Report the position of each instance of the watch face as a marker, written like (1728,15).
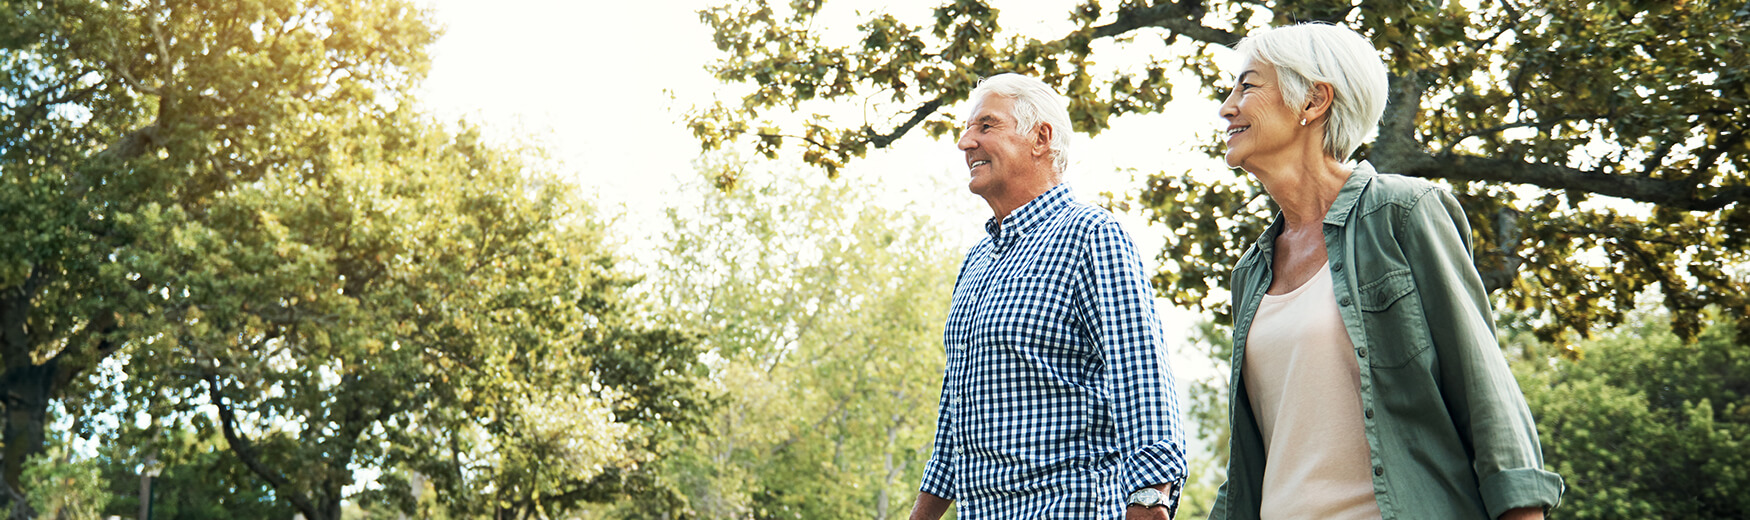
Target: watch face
(1146,497)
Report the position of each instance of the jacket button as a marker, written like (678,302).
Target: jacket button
(1338,267)
(1344,302)
(1378,470)
(1362,351)
(1369,413)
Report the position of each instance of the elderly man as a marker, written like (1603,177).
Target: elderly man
(1056,402)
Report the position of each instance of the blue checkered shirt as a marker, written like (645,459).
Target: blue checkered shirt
(1056,401)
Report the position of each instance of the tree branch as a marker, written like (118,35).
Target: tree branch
(246,453)
(1540,124)
(1508,236)
(1181,18)
(1397,151)
(918,116)
(1675,194)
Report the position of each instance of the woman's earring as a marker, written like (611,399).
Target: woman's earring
(1303,121)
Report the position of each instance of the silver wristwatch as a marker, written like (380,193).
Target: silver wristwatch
(1148,497)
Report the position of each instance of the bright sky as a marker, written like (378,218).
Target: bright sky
(605,86)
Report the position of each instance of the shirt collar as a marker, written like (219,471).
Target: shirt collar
(1029,215)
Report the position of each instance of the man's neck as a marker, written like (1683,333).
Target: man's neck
(1001,206)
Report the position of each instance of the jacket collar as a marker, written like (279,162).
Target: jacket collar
(1351,194)
(1338,215)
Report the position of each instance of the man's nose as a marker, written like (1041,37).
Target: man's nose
(966,142)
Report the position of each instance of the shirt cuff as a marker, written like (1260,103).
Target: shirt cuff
(937,480)
(1158,464)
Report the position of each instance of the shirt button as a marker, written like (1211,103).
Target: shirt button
(1362,351)
(1344,302)
(1338,267)
(1378,471)
(1369,413)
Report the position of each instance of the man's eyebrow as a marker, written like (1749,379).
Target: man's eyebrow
(986,118)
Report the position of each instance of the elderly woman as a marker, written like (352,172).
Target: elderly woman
(1367,381)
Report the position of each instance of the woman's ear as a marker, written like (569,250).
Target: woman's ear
(1318,102)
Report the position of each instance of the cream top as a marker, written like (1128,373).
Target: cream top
(1305,386)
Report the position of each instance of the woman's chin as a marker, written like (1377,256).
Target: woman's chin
(1233,161)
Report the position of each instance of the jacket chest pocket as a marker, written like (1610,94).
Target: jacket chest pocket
(1391,312)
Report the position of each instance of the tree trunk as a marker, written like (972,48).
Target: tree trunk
(27,390)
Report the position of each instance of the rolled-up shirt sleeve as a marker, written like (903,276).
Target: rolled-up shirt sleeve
(938,472)
(1144,406)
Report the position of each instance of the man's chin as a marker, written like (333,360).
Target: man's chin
(976,187)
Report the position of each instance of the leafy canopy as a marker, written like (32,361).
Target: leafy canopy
(1601,149)
(239,205)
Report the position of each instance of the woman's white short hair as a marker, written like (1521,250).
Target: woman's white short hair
(1035,102)
(1311,53)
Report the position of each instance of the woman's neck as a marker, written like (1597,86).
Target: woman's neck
(1305,190)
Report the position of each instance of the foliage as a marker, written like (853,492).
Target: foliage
(1601,148)
(197,479)
(68,487)
(1208,412)
(117,116)
(426,304)
(1642,424)
(822,311)
(239,203)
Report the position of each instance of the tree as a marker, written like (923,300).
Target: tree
(114,114)
(1641,423)
(198,479)
(426,304)
(1570,131)
(823,309)
(239,204)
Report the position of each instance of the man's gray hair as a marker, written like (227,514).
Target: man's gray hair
(1311,53)
(1035,103)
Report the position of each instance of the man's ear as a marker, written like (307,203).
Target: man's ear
(1318,102)
(1042,134)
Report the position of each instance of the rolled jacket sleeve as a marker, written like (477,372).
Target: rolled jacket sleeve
(1486,404)
(1144,407)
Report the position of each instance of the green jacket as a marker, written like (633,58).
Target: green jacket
(1448,430)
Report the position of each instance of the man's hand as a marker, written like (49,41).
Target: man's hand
(929,507)
(1150,513)
(1523,513)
